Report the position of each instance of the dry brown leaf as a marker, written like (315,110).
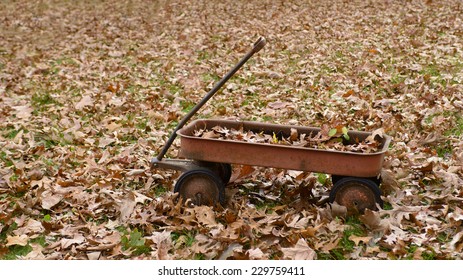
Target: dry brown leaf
(328,246)
(230,251)
(377,133)
(456,215)
(205,216)
(457,242)
(23,112)
(300,251)
(32,226)
(136,172)
(93,256)
(358,239)
(310,231)
(297,222)
(255,254)
(35,254)
(373,221)
(105,141)
(50,199)
(163,243)
(389,183)
(20,240)
(338,210)
(127,205)
(86,100)
(76,239)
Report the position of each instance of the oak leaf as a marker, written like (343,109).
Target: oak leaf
(373,221)
(358,239)
(301,251)
(76,239)
(86,100)
(49,199)
(20,240)
(205,216)
(255,254)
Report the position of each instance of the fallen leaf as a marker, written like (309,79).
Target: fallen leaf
(23,112)
(127,205)
(278,105)
(376,133)
(163,243)
(373,220)
(457,242)
(49,199)
(338,210)
(136,172)
(105,141)
(86,100)
(205,216)
(358,239)
(35,254)
(93,256)
(255,254)
(20,240)
(32,226)
(230,251)
(328,246)
(348,93)
(67,242)
(301,251)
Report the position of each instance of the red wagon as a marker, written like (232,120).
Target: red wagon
(206,163)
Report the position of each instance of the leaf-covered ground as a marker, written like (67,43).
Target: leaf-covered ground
(90,90)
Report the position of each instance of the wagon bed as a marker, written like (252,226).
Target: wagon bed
(343,163)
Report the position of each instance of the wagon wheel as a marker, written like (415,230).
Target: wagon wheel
(200,187)
(356,194)
(223,170)
(336,178)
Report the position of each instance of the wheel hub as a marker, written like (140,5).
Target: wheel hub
(200,190)
(356,198)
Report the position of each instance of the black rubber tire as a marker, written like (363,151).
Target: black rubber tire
(336,178)
(225,172)
(201,187)
(356,194)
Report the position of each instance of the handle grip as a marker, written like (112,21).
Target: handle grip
(259,44)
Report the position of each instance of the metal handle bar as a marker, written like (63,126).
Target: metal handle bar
(258,45)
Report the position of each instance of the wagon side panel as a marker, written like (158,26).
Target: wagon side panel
(281,157)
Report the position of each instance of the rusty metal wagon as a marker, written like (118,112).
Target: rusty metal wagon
(206,163)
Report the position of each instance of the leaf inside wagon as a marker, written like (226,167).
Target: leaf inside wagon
(378,132)
(332,132)
(326,139)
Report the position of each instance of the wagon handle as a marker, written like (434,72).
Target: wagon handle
(258,45)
